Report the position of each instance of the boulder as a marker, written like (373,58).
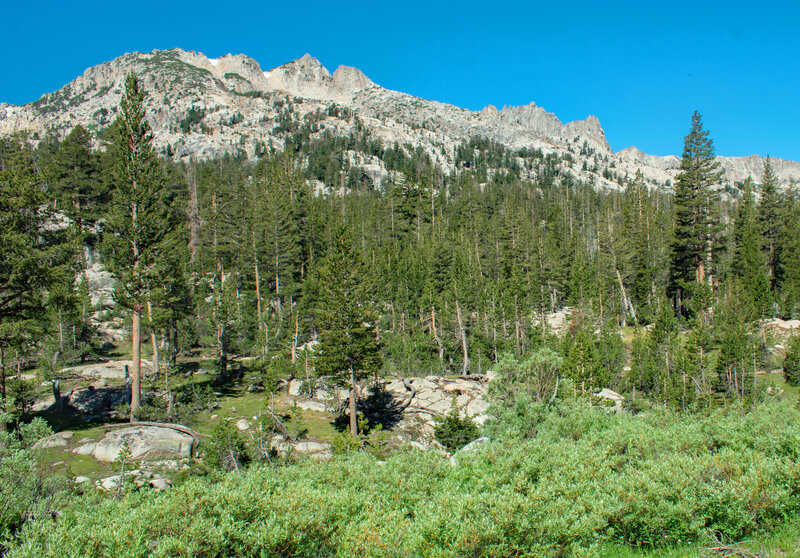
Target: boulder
(242,424)
(474,445)
(53,441)
(611,398)
(459,386)
(423,384)
(161,484)
(315,406)
(85,449)
(476,407)
(307,447)
(145,442)
(294,387)
(397,387)
(323,395)
(110,483)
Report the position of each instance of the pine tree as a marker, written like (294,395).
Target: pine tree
(348,346)
(790,232)
(140,219)
(696,242)
(749,262)
(31,256)
(769,217)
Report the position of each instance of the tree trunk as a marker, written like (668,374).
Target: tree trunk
(353,396)
(439,346)
(193,212)
(153,340)
(136,373)
(463,333)
(294,338)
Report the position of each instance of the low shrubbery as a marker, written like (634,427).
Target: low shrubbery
(584,478)
(26,492)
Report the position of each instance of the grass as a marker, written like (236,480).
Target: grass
(784,542)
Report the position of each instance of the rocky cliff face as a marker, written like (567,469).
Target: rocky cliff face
(200,107)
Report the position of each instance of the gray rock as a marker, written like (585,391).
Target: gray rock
(145,442)
(311,447)
(110,483)
(161,484)
(243,424)
(81,480)
(53,441)
(315,406)
(220,87)
(85,449)
(294,387)
(474,445)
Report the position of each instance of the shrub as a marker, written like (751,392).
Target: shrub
(589,477)
(455,432)
(25,492)
(791,365)
(228,450)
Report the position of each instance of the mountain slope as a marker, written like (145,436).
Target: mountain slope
(200,107)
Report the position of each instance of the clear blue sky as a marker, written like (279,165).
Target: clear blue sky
(641,67)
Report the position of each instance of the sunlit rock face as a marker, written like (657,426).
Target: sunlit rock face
(201,107)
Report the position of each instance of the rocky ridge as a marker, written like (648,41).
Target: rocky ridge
(200,107)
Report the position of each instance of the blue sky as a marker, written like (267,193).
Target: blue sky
(640,67)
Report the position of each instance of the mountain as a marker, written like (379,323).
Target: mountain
(201,107)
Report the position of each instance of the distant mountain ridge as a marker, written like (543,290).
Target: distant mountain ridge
(201,107)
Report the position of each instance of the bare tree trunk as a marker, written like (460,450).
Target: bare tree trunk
(136,373)
(153,339)
(294,338)
(193,213)
(463,333)
(258,286)
(60,331)
(439,346)
(627,305)
(353,396)
(2,378)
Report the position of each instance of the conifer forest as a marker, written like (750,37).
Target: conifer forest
(236,279)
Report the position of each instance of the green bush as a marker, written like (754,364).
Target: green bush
(25,491)
(588,477)
(791,365)
(228,450)
(455,432)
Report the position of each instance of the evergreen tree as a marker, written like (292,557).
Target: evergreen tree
(697,240)
(790,229)
(348,349)
(749,262)
(769,209)
(31,256)
(140,218)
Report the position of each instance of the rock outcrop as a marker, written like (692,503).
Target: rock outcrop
(144,442)
(239,108)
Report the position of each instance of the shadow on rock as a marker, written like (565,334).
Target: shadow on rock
(379,408)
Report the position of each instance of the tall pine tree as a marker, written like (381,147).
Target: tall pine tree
(140,218)
(348,346)
(696,242)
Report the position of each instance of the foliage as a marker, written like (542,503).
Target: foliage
(590,477)
(26,492)
(348,348)
(228,450)
(696,246)
(791,364)
(534,377)
(31,257)
(454,431)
